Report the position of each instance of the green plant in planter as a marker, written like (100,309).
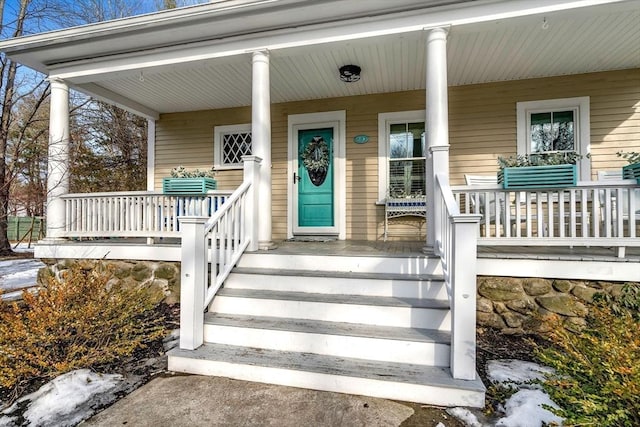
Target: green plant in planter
(631,157)
(183,181)
(545,170)
(542,159)
(632,170)
(182,172)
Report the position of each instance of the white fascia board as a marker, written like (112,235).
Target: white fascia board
(113,98)
(461,14)
(171,17)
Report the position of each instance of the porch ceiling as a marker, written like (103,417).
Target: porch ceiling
(597,39)
(580,40)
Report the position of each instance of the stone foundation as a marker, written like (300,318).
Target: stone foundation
(513,305)
(517,305)
(163,275)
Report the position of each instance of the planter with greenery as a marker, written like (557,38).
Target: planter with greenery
(632,170)
(552,170)
(189,182)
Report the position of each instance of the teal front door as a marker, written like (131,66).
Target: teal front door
(315,181)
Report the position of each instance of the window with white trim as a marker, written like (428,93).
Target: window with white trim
(401,154)
(230,144)
(556,126)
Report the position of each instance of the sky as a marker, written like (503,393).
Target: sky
(78,11)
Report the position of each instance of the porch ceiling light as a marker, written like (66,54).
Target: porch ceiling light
(350,73)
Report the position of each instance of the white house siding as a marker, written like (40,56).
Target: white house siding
(482,127)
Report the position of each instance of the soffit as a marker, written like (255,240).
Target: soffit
(604,39)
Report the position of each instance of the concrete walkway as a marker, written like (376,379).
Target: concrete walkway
(186,400)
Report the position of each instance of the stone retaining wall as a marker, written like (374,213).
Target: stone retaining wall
(164,275)
(514,305)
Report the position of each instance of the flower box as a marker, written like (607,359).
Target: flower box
(631,171)
(555,176)
(200,185)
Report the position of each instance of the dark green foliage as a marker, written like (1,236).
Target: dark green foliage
(597,379)
(543,159)
(631,157)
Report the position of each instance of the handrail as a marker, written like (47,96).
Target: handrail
(239,192)
(456,244)
(135,213)
(590,214)
(136,193)
(225,230)
(211,246)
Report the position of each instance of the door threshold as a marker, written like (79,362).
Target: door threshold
(313,238)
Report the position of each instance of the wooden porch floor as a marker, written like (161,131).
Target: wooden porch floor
(415,248)
(400,248)
(577,263)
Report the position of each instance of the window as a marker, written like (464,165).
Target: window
(556,125)
(230,144)
(401,154)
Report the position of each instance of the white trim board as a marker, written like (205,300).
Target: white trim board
(560,269)
(337,120)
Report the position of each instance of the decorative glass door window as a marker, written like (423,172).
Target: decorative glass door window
(552,131)
(406,159)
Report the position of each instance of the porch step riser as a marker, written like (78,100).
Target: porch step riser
(356,264)
(405,317)
(339,285)
(383,350)
(435,395)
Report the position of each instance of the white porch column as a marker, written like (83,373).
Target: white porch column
(151,161)
(58,160)
(252,175)
(151,154)
(437,124)
(261,140)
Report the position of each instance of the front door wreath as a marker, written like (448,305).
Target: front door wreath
(315,158)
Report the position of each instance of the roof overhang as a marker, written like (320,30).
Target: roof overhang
(182,59)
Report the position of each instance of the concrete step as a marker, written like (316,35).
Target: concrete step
(416,264)
(338,282)
(371,310)
(382,343)
(400,381)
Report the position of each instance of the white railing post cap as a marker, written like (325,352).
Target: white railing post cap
(256,159)
(192,219)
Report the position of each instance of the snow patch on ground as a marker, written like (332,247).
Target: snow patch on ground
(65,401)
(525,407)
(18,274)
(515,371)
(466,416)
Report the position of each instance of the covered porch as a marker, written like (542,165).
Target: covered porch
(414,66)
(429,93)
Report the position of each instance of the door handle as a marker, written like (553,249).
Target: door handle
(296,178)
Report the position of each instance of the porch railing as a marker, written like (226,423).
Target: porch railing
(210,249)
(135,213)
(456,244)
(591,214)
